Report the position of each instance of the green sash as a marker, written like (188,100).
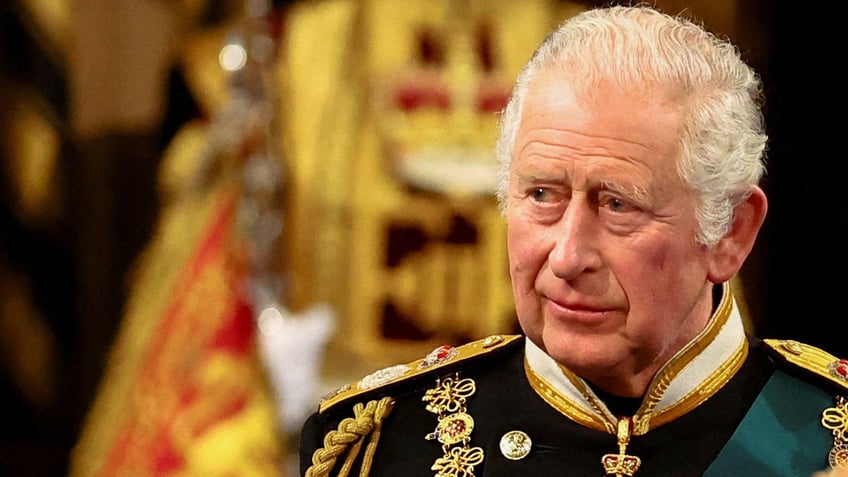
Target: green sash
(781,435)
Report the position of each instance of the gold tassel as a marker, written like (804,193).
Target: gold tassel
(367,420)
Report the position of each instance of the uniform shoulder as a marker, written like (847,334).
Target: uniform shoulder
(809,360)
(437,361)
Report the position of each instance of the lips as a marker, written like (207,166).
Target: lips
(576,311)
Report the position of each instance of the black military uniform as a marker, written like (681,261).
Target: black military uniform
(728,404)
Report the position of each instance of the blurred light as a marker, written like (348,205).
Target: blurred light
(271,321)
(232,57)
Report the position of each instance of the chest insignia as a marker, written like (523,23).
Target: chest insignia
(447,400)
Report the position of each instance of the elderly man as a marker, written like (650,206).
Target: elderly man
(631,151)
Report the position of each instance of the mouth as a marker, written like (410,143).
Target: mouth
(577,312)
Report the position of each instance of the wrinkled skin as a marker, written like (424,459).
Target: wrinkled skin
(607,274)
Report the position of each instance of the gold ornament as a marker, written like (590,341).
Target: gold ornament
(835,419)
(447,400)
(622,464)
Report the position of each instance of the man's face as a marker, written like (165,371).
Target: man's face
(607,275)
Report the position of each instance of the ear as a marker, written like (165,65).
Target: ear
(728,255)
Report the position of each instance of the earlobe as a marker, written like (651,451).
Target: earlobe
(730,252)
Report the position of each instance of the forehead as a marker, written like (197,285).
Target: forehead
(638,126)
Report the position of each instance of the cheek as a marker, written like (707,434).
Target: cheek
(675,261)
(648,273)
(516,256)
(525,249)
(640,267)
(659,255)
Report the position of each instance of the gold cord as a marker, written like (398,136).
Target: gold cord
(367,421)
(384,407)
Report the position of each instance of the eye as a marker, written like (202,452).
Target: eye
(540,194)
(615,204)
(546,196)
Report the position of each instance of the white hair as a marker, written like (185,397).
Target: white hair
(723,143)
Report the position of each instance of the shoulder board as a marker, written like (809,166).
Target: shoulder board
(440,357)
(813,360)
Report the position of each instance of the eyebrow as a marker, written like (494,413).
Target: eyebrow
(636,192)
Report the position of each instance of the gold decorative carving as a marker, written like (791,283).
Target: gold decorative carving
(389,126)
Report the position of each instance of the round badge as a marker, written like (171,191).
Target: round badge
(838,456)
(515,445)
(455,428)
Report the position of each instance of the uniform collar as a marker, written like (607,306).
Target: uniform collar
(694,374)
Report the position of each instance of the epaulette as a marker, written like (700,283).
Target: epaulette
(436,360)
(812,360)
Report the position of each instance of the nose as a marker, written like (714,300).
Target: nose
(575,249)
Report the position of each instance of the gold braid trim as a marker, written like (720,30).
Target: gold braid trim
(367,420)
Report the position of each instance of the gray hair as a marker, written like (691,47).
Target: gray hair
(723,144)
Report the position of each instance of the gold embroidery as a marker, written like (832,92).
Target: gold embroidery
(423,366)
(835,419)
(447,400)
(564,405)
(459,462)
(708,387)
(809,358)
(449,395)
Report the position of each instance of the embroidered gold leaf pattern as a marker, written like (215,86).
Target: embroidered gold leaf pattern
(459,462)
(449,395)
(835,419)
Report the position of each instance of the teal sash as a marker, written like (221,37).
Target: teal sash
(781,435)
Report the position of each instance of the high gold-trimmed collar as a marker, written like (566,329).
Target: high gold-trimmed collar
(694,374)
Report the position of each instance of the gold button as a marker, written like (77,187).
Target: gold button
(515,445)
